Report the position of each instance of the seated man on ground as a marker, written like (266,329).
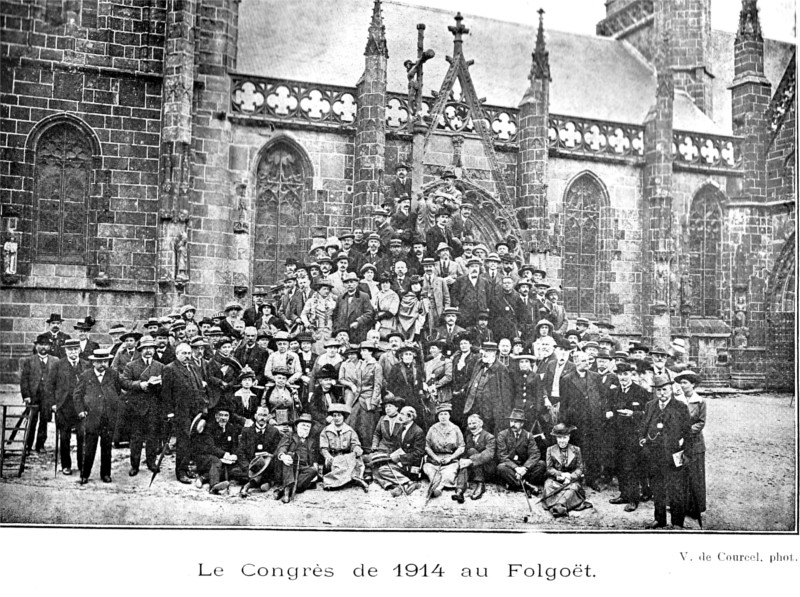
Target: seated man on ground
(214,447)
(299,455)
(519,462)
(478,462)
(257,446)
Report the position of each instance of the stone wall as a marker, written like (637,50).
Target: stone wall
(95,65)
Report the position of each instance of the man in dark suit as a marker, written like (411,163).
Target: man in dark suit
(528,396)
(449,330)
(298,301)
(436,293)
(164,354)
(260,439)
(214,449)
(68,372)
(56,336)
(478,462)
(518,458)
(552,376)
(353,310)
(141,380)
(441,234)
(584,408)
(398,445)
(470,294)
(250,354)
(665,431)
(489,392)
(37,383)
(509,315)
(87,345)
(97,400)
(626,403)
(299,455)
(184,396)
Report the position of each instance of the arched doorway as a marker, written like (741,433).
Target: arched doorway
(781,307)
(283,179)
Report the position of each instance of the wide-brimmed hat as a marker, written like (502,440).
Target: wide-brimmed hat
(582,320)
(196,423)
(303,418)
(659,381)
(562,429)
(539,271)
(338,407)
(516,415)
(247,372)
(679,345)
(146,342)
(625,368)
(659,350)
(552,290)
(101,354)
(366,267)
(639,346)
(186,308)
(232,306)
(258,465)
(394,399)
(522,356)
(369,345)
(43,339)
(135,335)
(160,333)
(406,348)
(443,247)
(689,375)
(327,372)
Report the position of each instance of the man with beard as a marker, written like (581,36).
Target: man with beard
(127,351)
(141,380)
(530,307)
(415,259)
(298,452)
(165,354)
(402,281)
(493,277)
(440,234)
(251,313)
(552,376)
(184,397)
(519,461)
(527,393)
(295,307)
(215,450)
(445,267)
(489,392)
(468,245)
(353,310)
(260,441)
(373,252)
(383,227)
(581,394)
(87,346)
(508,312)
(403,220)
(478,461)
(250,354)
(97,400)
(398,445)
(401,185)
(37,383)
(470,295)
(68,372)
(557,314)
(354,256)
(388,261)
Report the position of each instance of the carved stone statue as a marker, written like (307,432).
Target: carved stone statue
(182,255)
(661,282)
(686,294)
(414,74)
(10,248)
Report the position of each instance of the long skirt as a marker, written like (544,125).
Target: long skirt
(448,473)
(696,485)
(555,494)
(364,421)
(344,469)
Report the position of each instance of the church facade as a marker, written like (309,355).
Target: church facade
(157,153)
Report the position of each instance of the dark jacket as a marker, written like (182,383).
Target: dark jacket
(216,442)
(180,393)
(485,448)
(167,357)
(66,381)
(582,404)
(517,452)
(356,310)
(509,315)
(36,384)
(494,400)
(675,433)
(469,299)
(251,441)
(100,402)
(141,401)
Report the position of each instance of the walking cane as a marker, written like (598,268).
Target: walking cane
(296,476)
(527,499)
(400,485)
(55,460)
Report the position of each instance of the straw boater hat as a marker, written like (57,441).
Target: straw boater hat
(72,343)
(101,354)
(118,328)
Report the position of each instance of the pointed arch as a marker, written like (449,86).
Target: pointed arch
(65,157)
(585,205)
(283,181)
(705,250)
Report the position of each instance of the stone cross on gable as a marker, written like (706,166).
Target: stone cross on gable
(458,29)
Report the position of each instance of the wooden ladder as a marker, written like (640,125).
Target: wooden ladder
(16,419)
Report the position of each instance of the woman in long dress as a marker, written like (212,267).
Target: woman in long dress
(412,312)
(317,314)
(696,457)
(563,488)
(439,373)
(444,443)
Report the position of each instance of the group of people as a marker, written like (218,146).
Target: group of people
(392,357)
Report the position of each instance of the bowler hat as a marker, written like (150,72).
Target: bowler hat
(625,368)
(54,318)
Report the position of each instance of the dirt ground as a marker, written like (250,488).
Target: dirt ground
(750,466)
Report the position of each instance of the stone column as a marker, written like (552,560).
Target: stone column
(175,156)
(532,157)
(371,123)
(659,245)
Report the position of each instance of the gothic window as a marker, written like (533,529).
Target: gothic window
(63,175)
(581,231)
(280,184)
(705,230)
